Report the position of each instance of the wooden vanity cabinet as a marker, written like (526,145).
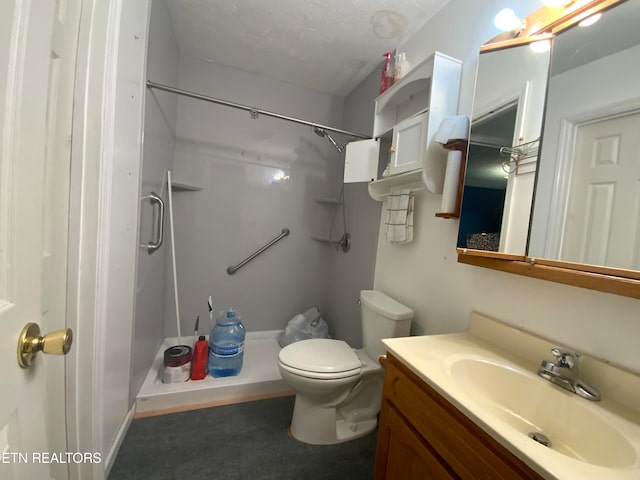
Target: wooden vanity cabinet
(423,436)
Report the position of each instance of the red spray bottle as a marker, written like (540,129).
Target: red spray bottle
(387,72)
(200,359)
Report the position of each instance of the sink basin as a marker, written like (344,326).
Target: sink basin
(530,404)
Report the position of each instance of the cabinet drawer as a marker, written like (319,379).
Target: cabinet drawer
(464,446)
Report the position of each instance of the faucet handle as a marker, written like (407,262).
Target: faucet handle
(566,358)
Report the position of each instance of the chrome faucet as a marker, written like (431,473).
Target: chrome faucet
(564,373)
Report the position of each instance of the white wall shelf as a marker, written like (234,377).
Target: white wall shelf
(380,189)
(328,201)
(407,117)
(184,187)
(324,240)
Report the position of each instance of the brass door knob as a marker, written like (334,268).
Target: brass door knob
(30,343)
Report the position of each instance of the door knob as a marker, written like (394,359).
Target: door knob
(30,343)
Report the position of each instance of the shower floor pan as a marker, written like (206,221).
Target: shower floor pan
(258,379)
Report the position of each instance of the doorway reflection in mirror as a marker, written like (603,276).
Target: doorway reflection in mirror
(507,116)
(587,205)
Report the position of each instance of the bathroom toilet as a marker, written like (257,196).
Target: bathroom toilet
(338,389)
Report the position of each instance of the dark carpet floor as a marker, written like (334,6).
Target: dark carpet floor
(243,441)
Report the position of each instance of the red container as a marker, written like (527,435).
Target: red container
(200,359)
(386,80)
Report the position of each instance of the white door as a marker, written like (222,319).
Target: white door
(603,217)
(521,179)
(38,41)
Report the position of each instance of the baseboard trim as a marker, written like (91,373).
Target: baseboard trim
(117,442)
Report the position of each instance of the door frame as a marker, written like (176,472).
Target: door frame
(565,157)
(106,162)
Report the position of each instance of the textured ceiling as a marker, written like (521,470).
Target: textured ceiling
(329,45)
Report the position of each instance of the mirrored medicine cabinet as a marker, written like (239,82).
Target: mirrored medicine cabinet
(552,185)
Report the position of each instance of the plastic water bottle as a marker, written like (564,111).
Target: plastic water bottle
(226,345)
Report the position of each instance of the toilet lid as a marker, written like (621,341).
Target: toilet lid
(320,355)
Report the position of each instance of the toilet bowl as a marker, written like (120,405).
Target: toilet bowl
(338,389)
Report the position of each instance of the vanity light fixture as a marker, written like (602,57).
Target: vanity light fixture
(590,20)
(507,21)
(557,3)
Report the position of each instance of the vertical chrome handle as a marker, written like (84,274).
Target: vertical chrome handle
(156,200)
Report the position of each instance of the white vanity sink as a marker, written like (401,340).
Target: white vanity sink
(492,379)
(532,405)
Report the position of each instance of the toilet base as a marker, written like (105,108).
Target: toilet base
(317,425)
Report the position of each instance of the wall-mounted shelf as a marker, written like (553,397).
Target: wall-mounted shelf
(184,187)
(328,201)
(380,189)
(406,119)
(324,240)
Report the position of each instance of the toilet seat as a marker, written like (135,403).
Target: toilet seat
(320,358)
(320,376)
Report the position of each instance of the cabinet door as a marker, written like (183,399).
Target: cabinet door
(402,453)
(434,425)
(409,144)
(361,161)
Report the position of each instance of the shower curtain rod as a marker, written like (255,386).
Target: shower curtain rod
(254,111)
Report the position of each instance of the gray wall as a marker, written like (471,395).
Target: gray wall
(159,137)
(353,271)
(425,274)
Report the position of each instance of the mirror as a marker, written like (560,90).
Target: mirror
(587,202)
(574,221)
(501,162)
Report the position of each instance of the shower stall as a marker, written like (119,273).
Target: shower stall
(240,176)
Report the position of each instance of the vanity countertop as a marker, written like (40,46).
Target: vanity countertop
(498,389)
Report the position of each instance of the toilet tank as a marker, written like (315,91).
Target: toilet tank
(382,317)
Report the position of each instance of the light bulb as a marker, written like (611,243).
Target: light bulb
(507,20)
(590,20)
(540,46)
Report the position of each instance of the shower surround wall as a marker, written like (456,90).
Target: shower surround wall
(242,205)
(159,138)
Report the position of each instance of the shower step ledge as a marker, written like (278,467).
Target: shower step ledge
(259,378)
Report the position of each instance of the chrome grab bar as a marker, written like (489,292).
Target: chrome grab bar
(234,268)
(156,200)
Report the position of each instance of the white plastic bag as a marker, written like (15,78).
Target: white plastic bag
(304,326)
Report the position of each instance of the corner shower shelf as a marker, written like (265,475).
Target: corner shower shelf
(379,189)
(328,201)
(184,187)
(324,240)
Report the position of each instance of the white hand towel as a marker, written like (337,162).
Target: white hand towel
(400,216)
